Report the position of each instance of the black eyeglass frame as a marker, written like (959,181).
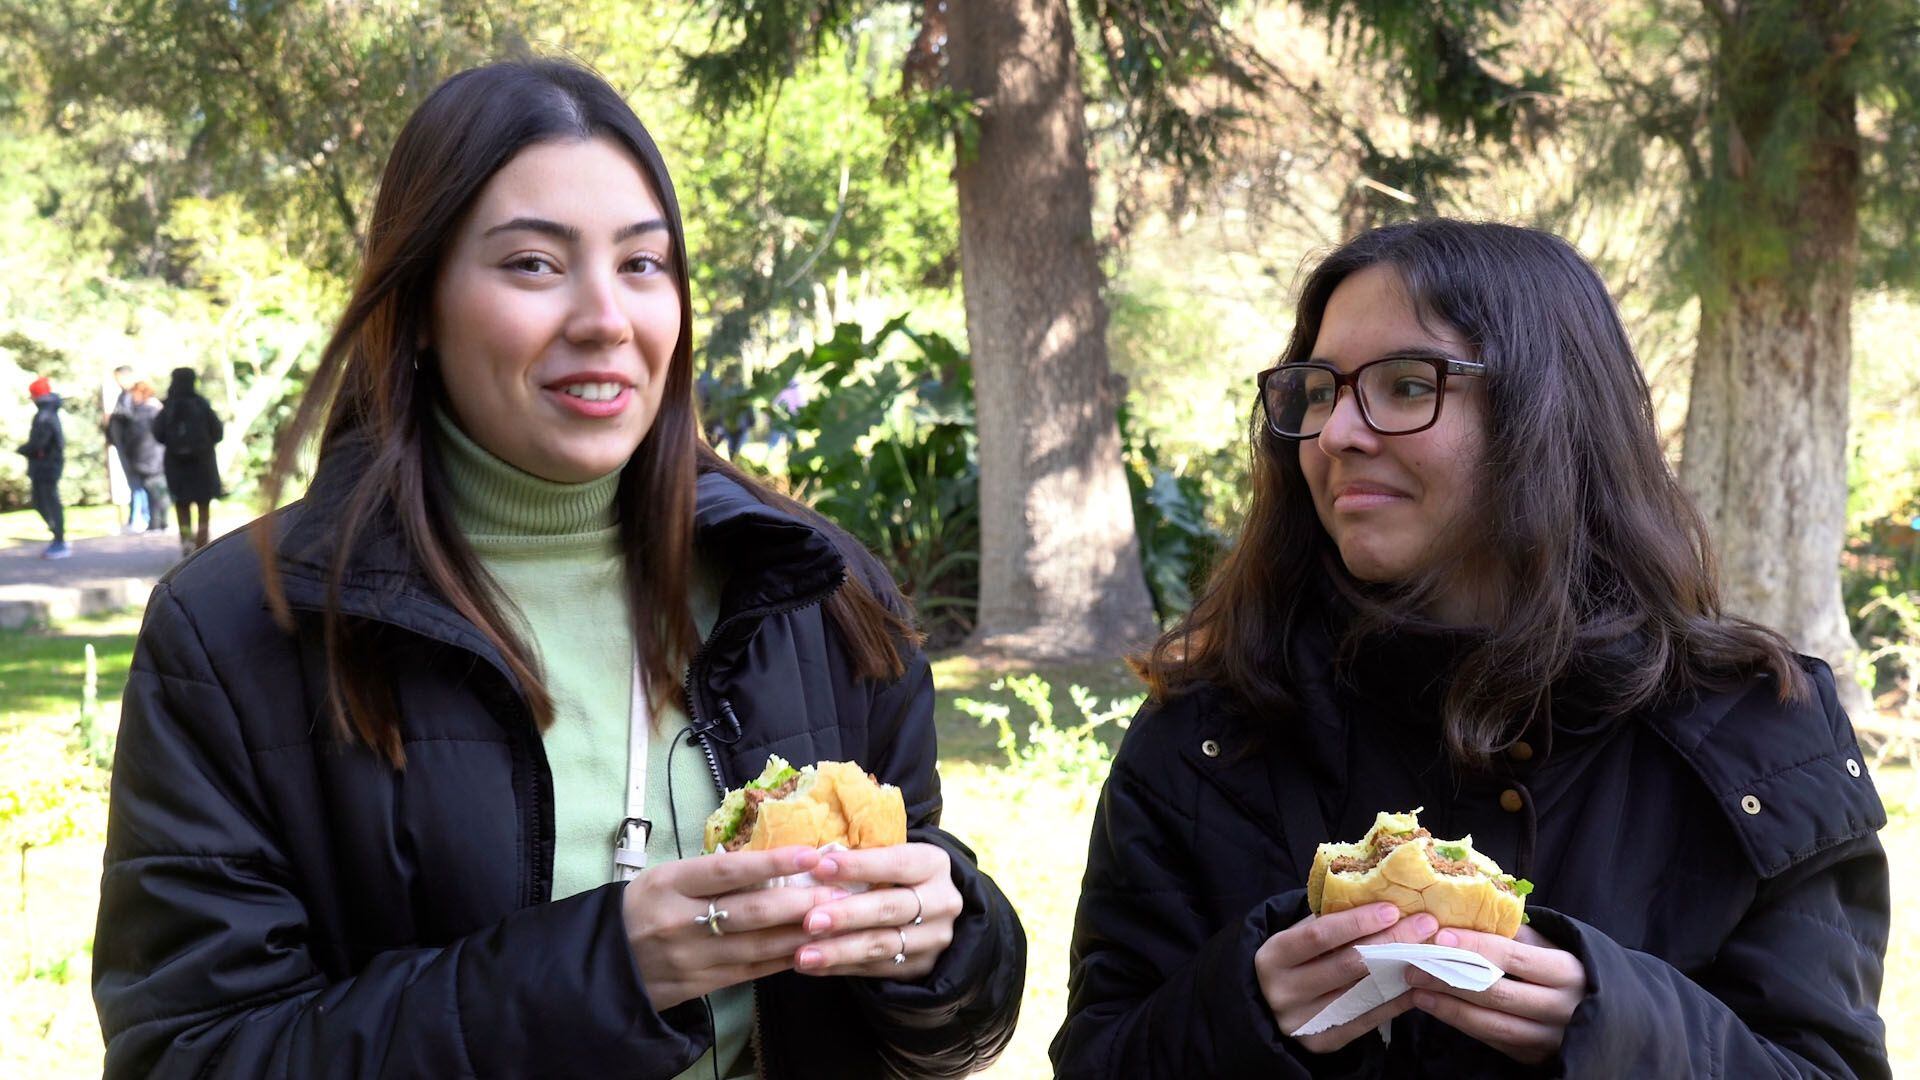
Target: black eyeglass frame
(1443,366)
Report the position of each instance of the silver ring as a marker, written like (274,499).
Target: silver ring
(901,956)
(712,919)
(919,907)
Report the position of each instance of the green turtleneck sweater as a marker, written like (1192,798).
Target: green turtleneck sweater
(554,551)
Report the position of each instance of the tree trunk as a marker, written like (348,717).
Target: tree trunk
(1060,566)
(1766,433)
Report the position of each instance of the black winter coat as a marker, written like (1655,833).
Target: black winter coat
(189,429)
(276,903)
(1711,863)
(46,445)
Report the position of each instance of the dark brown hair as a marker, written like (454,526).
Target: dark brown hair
(1600,551)
(376,390)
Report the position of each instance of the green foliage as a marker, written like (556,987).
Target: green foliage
(45,791)
(1880,572)
(756,44)
(881,441)
(884,446)
(784,193)
(1157,56)
(1890,626)
(1179,74)
(1077,756)
(1177,541)
(939,117)
(290,106)
(1453,61)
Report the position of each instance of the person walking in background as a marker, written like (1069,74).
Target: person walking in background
(189,429)
(144,457)
(140,513)
(46,454)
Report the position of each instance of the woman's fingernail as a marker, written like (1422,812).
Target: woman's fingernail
(1424,1001)
(1425,925)
(1447,938)
(809,958)
(828,867)
(1389,915)
(841,894)
(818,921)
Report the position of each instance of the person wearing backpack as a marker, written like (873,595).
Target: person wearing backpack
(189,429)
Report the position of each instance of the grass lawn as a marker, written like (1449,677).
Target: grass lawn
(42,673)
(1030,832)
(957,675)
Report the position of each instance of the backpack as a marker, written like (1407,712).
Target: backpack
(186,434)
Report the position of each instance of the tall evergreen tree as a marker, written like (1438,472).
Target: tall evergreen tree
(1005,82)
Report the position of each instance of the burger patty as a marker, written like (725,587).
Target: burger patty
(755,797)
(1383,846)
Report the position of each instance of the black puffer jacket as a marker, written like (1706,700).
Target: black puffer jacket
(275,903)
(46,445)
(1711,863)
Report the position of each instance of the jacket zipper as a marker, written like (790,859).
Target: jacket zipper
(536,753)
(706,648)
(758,1035)
(532,748)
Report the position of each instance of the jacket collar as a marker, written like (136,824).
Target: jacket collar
(1789,777)
(770,558)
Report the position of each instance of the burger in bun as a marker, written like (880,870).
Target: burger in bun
(833,802)
(1403,864)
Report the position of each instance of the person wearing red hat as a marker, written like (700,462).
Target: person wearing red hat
(46,454)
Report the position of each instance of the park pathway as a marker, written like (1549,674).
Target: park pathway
(106,573)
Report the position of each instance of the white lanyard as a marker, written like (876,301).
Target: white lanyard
(630,839)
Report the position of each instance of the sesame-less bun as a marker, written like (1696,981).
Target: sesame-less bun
(1447,879)
(834,802)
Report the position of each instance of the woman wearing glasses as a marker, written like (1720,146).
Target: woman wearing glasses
(1468,582)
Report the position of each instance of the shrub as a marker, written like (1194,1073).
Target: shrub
(1077,756)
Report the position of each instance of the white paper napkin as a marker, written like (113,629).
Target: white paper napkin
(1387,979)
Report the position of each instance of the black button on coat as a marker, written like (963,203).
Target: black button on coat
(1716,942)
(274,903)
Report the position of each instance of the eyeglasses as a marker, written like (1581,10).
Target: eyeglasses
(1398,395)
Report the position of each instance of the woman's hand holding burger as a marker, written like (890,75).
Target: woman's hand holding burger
(1525,1014)
(697,925)
(909,913)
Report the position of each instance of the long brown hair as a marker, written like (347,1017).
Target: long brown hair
(1604,559)
(376,389)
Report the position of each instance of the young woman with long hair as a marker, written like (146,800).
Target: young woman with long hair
(411,780)
(1469,583)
